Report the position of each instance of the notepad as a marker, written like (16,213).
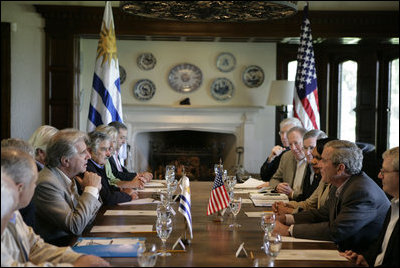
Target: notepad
(121,228)
(154,184)
(310,254)
(141,201)
(130,213)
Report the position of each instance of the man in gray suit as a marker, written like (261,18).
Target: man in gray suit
(354,213)
(61,212)
(288,179)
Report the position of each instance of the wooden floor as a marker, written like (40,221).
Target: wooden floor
(213,243)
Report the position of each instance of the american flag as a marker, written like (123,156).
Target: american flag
(305,100)
(105,100)
(219,198)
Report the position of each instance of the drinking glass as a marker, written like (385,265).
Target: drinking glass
(268,221)
(171,188)
(170,173)
(163,211)
(272,245)
(147,257)
(218,167)
(164,198)
(164,229)
(235,208)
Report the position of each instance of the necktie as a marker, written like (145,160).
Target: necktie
(116,158)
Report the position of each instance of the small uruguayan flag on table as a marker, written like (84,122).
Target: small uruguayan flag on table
(105,100)
(184,205)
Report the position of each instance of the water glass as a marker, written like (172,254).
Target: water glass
(235,208)
(171,188)
(170,173)
(268,221)
(147,257)
(164,229)
(272,244)
(164,211)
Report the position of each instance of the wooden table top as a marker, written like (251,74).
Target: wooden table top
(213,244)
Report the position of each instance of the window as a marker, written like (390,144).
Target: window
(347,100)
(393,128)
(292,66)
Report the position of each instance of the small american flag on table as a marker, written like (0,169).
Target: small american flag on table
(219,198)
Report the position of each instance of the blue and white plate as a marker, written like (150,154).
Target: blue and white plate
(146,61)
(253,76)
(222,89)
(144,90)
(226,62)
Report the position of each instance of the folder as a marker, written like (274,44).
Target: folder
(96,246)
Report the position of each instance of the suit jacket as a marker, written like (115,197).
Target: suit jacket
(58,216)
(38,252)
(316,200)
(125,175)
(110,194)
(352,220)
(268,169)
(391,258)
(286,172)
(308,188)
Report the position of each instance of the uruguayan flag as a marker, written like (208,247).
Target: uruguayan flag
(105,101)
(184,205)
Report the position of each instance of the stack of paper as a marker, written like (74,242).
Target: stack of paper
(109,247)
(250,183)
(265,200)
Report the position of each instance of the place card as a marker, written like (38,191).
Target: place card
(241,252)
(179,244)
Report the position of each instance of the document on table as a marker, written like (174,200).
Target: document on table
(246,201)
(269,196)
(88,241)
(310,254)
(265,202)
(154,184)
(140,201)
(293,239)
(122,229)
(250,183)
(130,213)
(245,191)
(257,214)
(150,190)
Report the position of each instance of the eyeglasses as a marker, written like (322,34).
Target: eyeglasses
(383,172)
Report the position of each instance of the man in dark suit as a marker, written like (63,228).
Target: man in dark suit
(354,213)
(271,165)
(117,168)
(99,148)
(384,253)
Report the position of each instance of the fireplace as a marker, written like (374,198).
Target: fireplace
(196,151)
(194,136)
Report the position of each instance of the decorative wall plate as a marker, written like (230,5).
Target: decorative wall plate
(222,89)
(122,75)
(226,62)
(253,76)
(146,61)
(185,78)
(144,90)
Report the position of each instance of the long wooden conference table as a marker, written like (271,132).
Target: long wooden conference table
(213,243)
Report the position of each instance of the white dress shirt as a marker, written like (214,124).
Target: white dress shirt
(394,217)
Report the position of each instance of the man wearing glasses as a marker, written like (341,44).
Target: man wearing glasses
(385,251)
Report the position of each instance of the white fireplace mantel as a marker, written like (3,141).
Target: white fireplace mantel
(236,120)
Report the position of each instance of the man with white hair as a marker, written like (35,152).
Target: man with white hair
(39,140)
(354,213)
(20,245)
(270,165)
(61,213)
(9,199)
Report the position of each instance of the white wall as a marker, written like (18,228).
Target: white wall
(203,55)
(27,68)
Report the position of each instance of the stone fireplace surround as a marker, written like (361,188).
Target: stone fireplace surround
(224,119)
